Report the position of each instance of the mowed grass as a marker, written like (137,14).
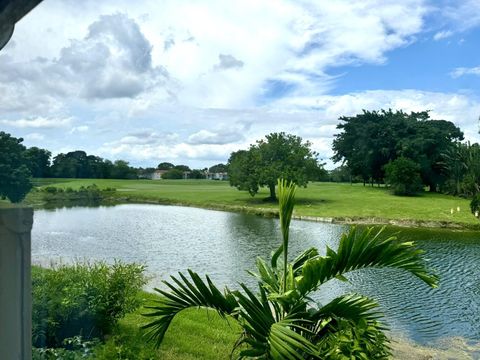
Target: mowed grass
(340,201)
(194,334)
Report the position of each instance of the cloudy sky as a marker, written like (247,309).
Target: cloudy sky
(190,81)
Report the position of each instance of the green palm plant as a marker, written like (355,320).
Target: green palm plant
(281,320)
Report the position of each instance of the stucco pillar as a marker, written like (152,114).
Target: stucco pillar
(15,284)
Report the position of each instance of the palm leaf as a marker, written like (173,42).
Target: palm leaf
(363,250)
(266,336)
(353,308)
(185,294)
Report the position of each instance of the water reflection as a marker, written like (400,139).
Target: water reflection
(170,239)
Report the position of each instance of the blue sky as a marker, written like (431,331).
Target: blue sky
(190,82)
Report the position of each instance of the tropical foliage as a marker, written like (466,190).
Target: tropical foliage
(281,320)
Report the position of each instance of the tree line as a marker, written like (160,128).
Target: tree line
(406,151)
(18,164)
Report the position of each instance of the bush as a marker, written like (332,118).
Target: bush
(475,204)
(91,193)
(82,300)
(403,176)
(76,349)
(50,189)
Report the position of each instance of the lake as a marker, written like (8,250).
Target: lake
(224,245)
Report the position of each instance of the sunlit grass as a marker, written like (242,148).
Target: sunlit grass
(194,334)
(318,199)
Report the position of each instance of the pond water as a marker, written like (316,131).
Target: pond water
(224,245)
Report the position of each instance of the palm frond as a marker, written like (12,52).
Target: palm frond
(366,249)
(349,307)
(185,294)
(350,325)
(286,202)
(266,336)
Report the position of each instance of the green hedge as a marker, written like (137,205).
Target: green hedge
(83,300)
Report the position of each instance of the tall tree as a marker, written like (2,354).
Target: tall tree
(122,170)
(14,173)
(165,166)
(38,161)
(279,155)
(372,139)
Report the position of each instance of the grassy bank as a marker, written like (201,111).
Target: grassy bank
(203,335)
(329,201)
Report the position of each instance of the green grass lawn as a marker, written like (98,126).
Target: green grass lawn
(194,334)
(334,200)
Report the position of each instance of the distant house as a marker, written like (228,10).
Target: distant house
(157,174)
(217,176)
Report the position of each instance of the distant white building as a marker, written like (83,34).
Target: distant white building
(157,174)
(217,176)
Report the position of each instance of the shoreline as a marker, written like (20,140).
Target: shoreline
(269,213)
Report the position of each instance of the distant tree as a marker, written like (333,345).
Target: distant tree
(122,170)
(318,173)
(142,173)
(279,155)
(165,166)
(38,161)
(94,167)
(173,174)
(219,168)
(471,180)
(64,166)
(403,176)
(197,174)
(14,172)
(455,165)
(427,147)
(340,174)
(182,167)
(372,139)
(242,170)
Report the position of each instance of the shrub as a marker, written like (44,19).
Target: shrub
(76,349)
(91,193)
(50,189)
(403,175)
(475,204)
(82,300)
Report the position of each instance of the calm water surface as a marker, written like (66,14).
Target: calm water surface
(169,239)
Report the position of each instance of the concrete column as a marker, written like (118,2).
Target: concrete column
(15,284)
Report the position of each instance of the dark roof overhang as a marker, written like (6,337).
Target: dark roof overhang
(11,11)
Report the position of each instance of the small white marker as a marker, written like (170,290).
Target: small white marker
(458,208)
(451,211)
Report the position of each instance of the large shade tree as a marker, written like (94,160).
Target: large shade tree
(279,155)
(14,172)
(370,140)
(280,320)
